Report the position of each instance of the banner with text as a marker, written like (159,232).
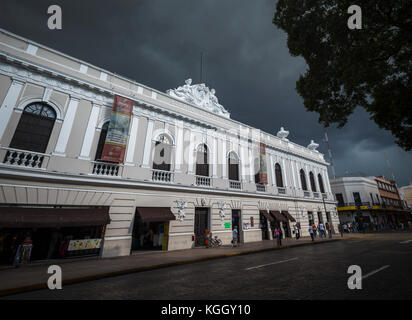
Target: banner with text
(118,131)
(263,176)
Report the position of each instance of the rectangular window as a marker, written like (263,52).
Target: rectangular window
(339,199)
(357,198)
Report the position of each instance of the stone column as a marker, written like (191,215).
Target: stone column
(9,103)
(90,131)
(67,127)
(148,144)
(131,144)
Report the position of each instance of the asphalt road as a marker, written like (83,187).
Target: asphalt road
(310,272)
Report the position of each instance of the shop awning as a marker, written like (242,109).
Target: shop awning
(267,215)
(155,214)
(289,216)
(278,216)
(18,217)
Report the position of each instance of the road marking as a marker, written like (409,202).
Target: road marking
(376,271)
(407,241)
(271,264)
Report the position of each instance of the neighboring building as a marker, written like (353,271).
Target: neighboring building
(187,166)
(406,195)
(374,200)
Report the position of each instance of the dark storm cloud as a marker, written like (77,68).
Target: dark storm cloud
(158,43)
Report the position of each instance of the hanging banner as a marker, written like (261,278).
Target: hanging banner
(118,131)
(263,176)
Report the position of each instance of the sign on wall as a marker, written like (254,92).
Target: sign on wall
(115,145)
(84,244)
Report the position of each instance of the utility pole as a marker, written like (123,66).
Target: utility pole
(389,166)
(201,66)
(330,153)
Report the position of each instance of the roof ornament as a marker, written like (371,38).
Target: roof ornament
(282,133)
(312,146)
(199,95)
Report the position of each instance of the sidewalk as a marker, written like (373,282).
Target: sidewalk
(32,277)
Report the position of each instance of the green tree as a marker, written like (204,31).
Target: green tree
(369,68)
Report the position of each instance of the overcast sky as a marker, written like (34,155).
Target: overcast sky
(246,59)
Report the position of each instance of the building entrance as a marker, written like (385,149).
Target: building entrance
(151,228)
(201,224)
(237,222)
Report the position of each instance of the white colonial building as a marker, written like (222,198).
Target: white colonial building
(187,165)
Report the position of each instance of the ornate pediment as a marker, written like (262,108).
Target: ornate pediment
(199,95)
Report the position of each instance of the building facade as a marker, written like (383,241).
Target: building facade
(406,195)
(371,200)
(187,165)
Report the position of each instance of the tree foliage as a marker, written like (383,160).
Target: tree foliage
(369,68)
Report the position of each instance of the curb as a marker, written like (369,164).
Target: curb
(109,274)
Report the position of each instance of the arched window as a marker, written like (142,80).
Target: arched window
(312,181)
(34,128)
(303,180)
(162,153)
(202,166)
(233,163)
(278,174)
(102,139)
(320,180)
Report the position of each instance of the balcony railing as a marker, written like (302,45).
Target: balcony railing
(22,158)
(162,176)
(260,187)
(306,194)
(203,181)
(316,195)
(106,169)
(235,184)
(281,190)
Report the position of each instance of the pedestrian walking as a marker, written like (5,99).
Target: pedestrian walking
(234,234)
(314,229)
(340,228)
(311,232)
(277,236)
(329,229)
(322,230)
(297,232)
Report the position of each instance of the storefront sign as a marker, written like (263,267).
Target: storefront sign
(115,145)
(263,176)
(84,244)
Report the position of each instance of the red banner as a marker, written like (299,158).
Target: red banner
(118,131)
(263,176)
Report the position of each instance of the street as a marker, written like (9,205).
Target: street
(309,272)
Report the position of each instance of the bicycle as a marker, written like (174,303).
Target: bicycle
(215,242)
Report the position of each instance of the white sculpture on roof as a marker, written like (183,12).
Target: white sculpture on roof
(282,133)
(313,145)
(199,95)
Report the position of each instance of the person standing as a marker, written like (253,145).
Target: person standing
(235,234)
(311,232)
(207,236)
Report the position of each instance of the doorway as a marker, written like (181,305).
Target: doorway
(264,226)
(201,224)
(320,217)
(310,217)
(236,222)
